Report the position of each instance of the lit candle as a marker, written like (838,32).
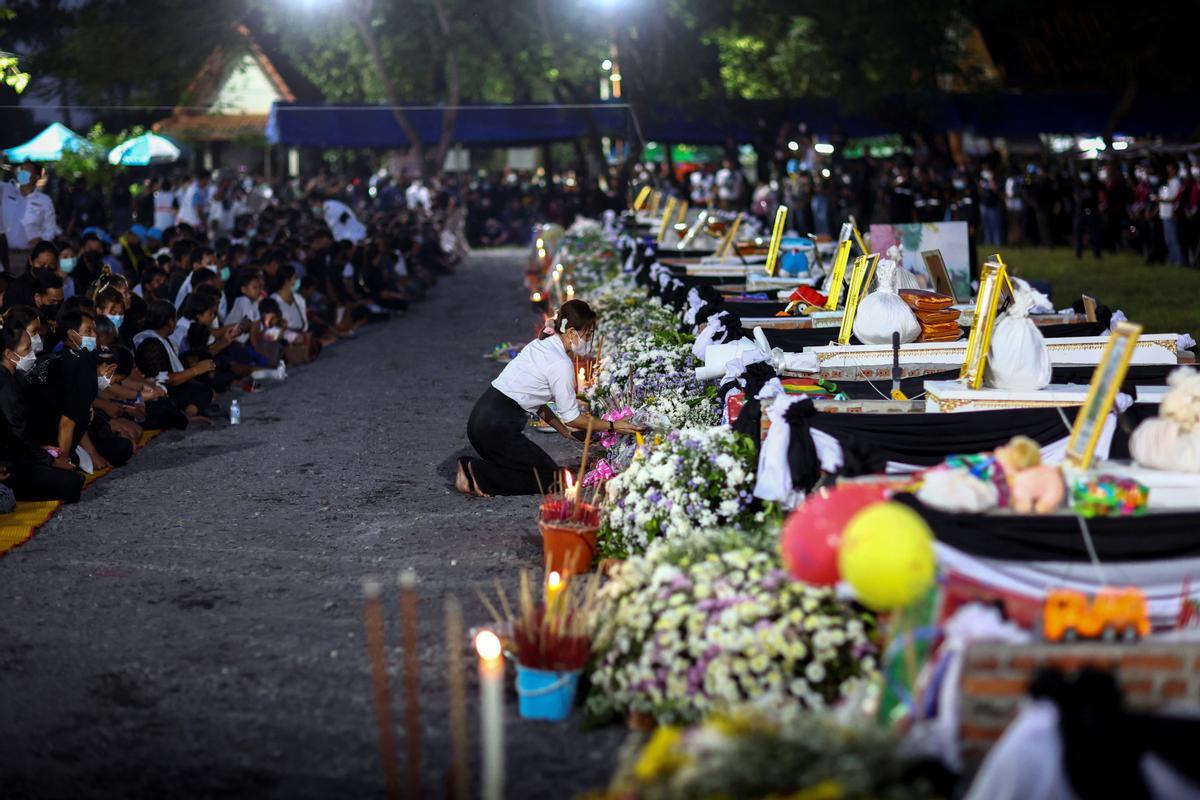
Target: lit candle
(554,587)
(582,378)
(491,712)
(536,297)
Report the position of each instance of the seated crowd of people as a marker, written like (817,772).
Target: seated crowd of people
(103,338)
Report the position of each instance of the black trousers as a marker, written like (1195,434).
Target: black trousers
(508,460)
(43,482)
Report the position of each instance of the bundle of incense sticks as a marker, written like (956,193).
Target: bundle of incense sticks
(550,632)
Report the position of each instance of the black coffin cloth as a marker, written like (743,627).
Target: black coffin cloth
(796,340)
(1138,375)
(755,308)
(1057,537)
(870,441)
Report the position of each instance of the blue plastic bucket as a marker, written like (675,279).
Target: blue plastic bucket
(542,694)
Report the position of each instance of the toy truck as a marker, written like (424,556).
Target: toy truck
(1112,614)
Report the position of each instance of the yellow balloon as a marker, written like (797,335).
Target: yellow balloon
(887,556)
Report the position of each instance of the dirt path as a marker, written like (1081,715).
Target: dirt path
(194,627)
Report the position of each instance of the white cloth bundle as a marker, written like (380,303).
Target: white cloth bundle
(1018,359)
(1171,441)
(713,328)
(882,312)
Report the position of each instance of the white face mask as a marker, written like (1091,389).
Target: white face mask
(103,382)
(35,342)
(25,362)
(580,347)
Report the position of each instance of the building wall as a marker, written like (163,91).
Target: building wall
(995,677)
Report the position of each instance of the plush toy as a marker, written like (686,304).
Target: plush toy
(1036,490)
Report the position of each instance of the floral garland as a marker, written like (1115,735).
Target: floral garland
(692,480)
(701,626)
(774,753)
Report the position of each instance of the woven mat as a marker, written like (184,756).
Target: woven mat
(18,527)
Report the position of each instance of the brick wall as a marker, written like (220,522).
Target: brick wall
(995,677)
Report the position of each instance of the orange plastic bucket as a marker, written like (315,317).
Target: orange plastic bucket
(568,548)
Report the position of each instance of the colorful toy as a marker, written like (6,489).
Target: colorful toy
(1036,490)
(887,556)
(1109,496)
(1068,615)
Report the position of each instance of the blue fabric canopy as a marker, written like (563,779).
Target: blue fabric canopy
(1005,114)
(359,126)
(49,145)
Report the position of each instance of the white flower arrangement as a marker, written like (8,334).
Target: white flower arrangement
(690,480)
(703,626)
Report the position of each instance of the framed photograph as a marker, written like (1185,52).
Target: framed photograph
(776,237)
(938,273)
(642,197)
(1102,392)
(951,239)
(838,276)
(1089,308)
(991,284)
(858,276)
(668,214)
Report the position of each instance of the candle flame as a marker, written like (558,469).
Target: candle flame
(536,297)
(553,580)
(487,644)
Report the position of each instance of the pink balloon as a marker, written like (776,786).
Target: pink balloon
(813,532)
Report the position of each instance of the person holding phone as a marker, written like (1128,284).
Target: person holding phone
(542,373)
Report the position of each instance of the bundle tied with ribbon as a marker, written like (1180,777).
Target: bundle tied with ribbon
(882,312)
(1018,359)
(1171,441)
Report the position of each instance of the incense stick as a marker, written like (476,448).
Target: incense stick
(460,759)
(373,619)
(587,442)
(412,682)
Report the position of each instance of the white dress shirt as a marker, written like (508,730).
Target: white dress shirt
(541,373)
(342,222)
(27,217)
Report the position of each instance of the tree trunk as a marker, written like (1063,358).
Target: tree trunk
(453,88)
(362,21)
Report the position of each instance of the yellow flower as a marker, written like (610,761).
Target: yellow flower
(827,789)
(661,754)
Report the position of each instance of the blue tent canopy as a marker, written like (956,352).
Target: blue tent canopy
(1006,114)
(364,126)
(49,145)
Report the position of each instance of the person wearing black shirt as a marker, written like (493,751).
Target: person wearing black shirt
(28,470)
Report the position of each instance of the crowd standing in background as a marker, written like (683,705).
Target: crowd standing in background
(138,309)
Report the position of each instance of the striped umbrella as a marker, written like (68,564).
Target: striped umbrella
(144,150)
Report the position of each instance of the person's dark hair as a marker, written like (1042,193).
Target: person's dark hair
(73,319)
(202,251)
(150,272)
(10,337)
(105,327)
(283,276)
(202,276)
(20,317)
(109,295)
(159,314)
(182,249)
(208,290)
(45,281)
(573,314)
(246,275)
(197,337)
(196,304)
(268,305)
(43,246)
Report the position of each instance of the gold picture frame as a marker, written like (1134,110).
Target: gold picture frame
(642,197)
(776,239)
(1102,393)
(729,241)
(667,215)
(991,284)
(939,276)
(838,276)
(862,265)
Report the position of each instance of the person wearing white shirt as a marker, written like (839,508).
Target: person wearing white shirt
(28,215)
(164,206)
(417,196)
(292,307)
(193,204)
(342,222)
(542,373)
(1168,199)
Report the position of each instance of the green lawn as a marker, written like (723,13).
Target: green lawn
(1161,298)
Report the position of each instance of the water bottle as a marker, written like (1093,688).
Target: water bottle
(281,371)
(235,413)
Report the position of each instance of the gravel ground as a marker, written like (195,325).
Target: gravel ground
(194,628)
